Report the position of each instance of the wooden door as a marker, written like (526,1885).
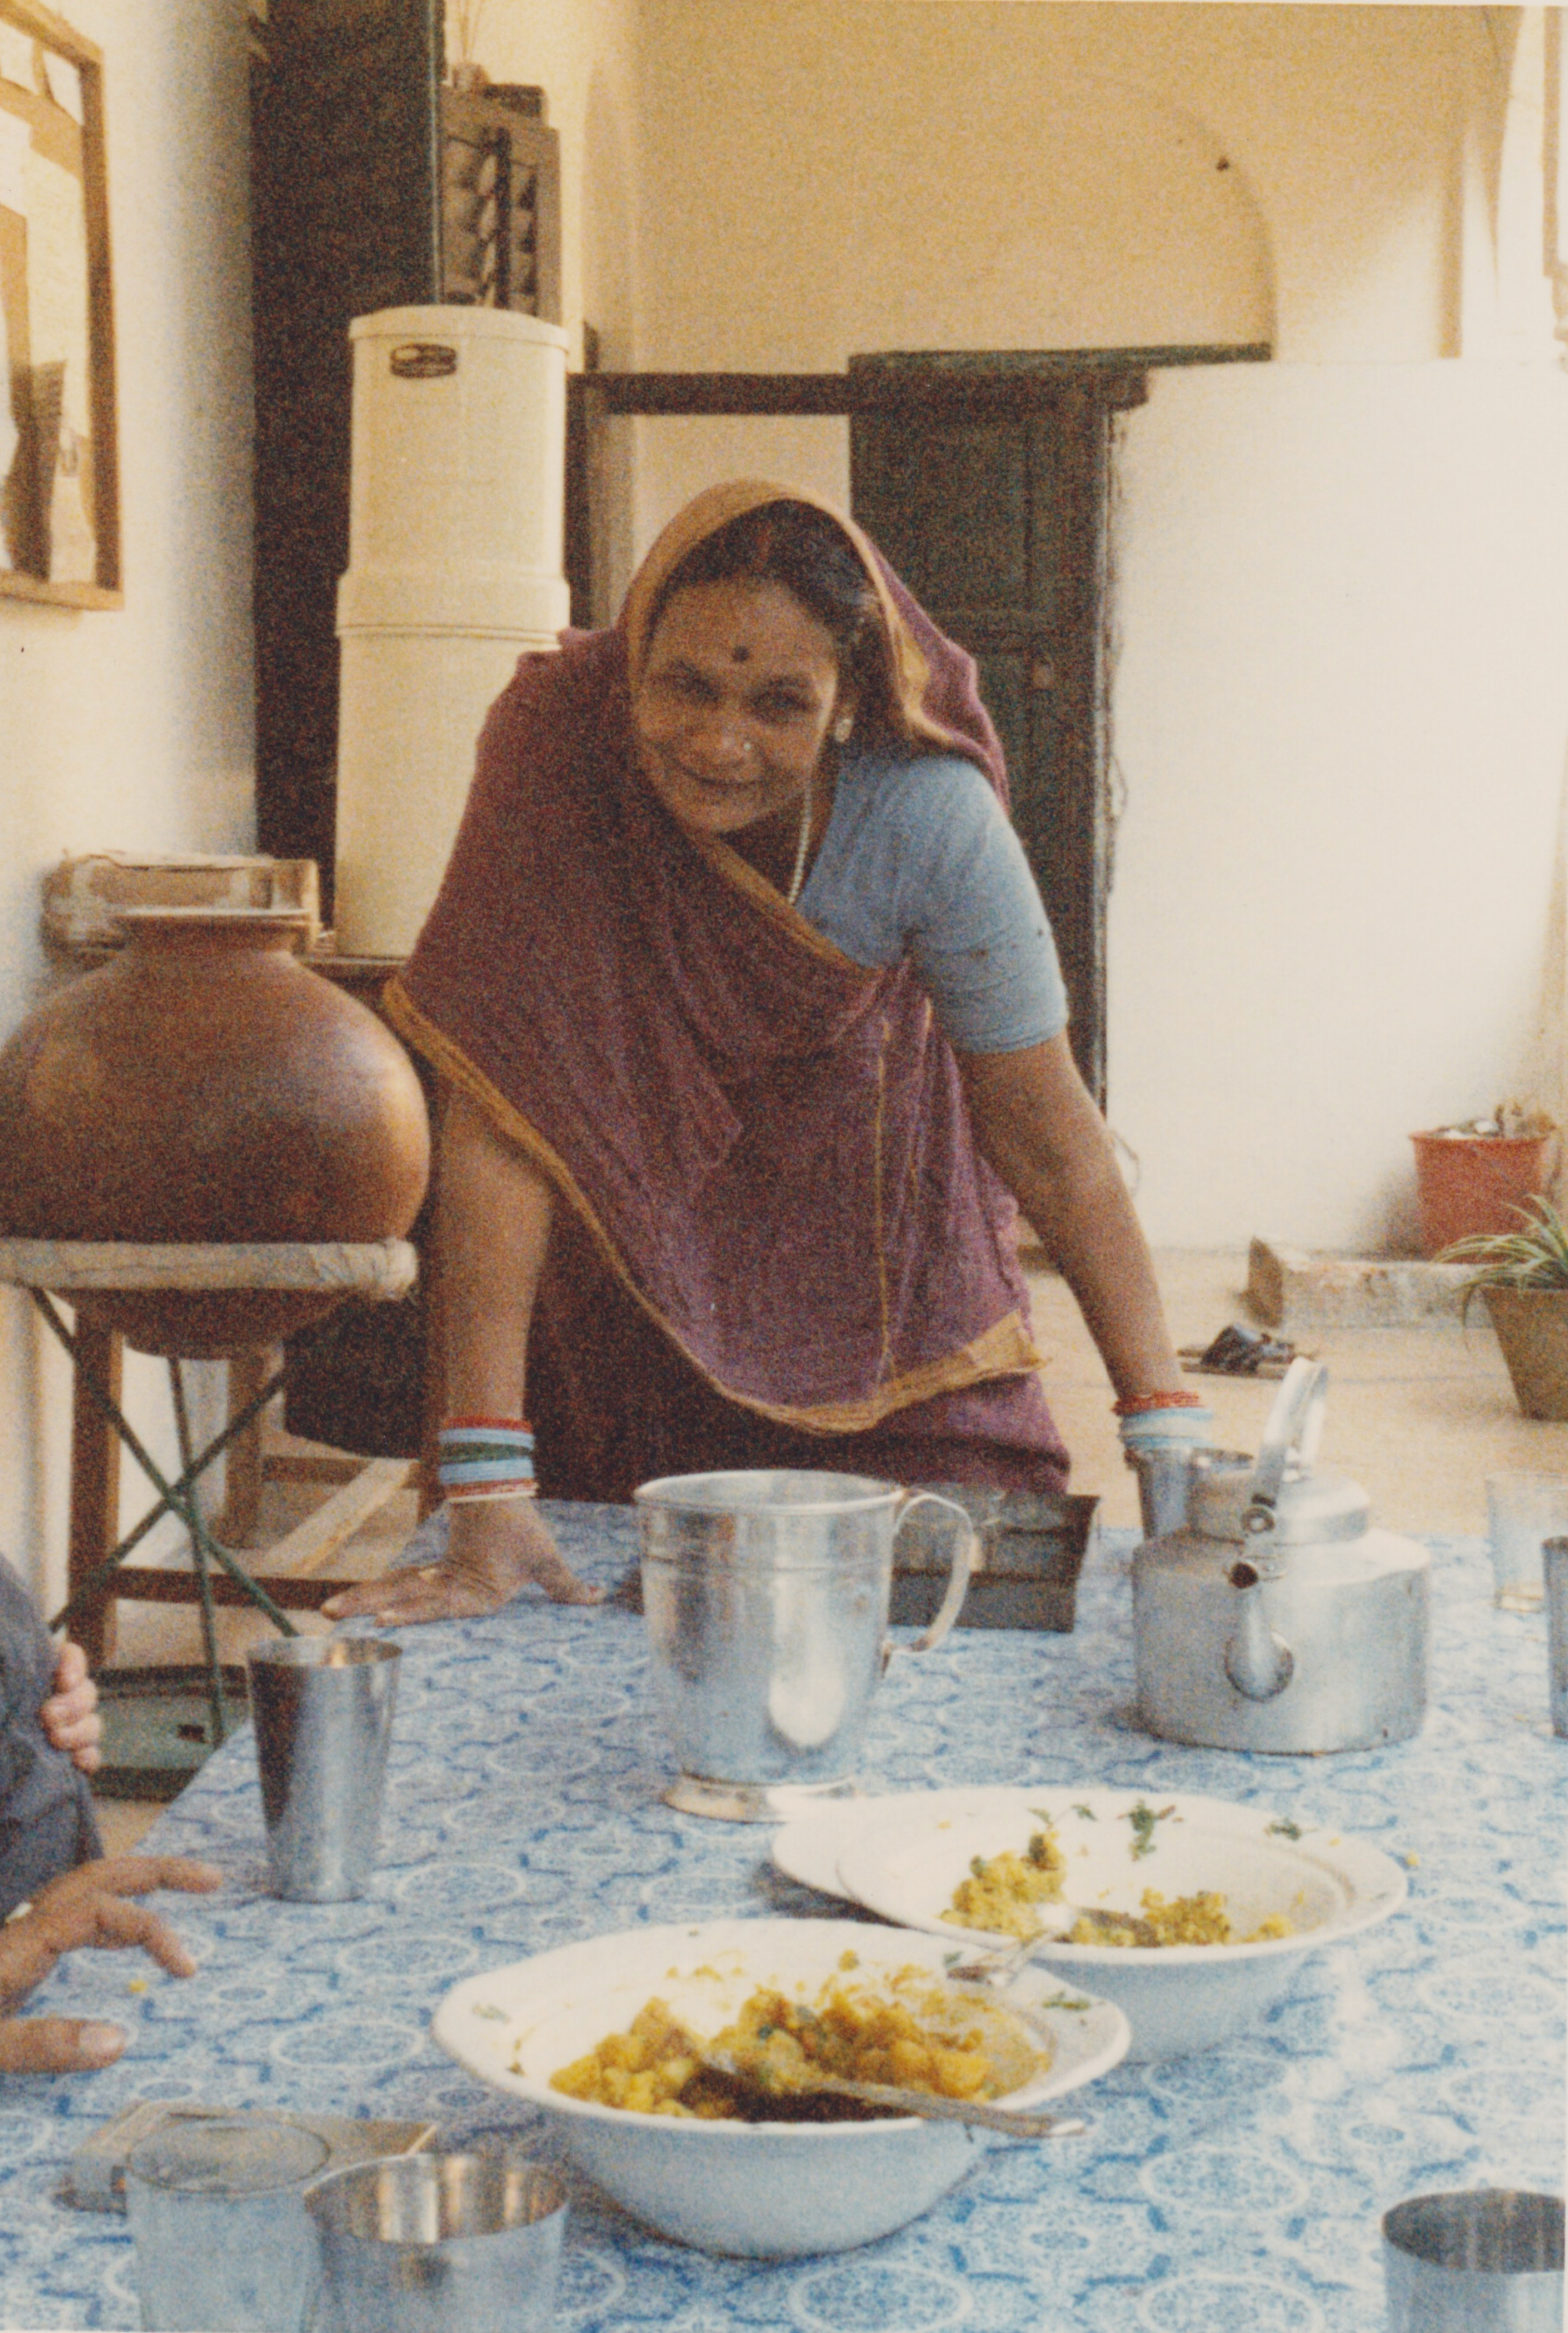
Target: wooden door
(345,178)
(997,523)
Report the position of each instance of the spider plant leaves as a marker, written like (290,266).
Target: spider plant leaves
(1534,1256)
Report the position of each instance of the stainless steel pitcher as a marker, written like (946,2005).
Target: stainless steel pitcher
(766,1599)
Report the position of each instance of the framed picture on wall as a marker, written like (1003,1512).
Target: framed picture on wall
(59,485)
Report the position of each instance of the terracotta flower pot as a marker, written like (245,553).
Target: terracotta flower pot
(1532,1328)
(206,1085)
(1470,1184)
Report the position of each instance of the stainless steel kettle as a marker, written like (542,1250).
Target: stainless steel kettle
(1275,1617)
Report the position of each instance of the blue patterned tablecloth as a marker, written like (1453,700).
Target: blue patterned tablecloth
(1236,2192)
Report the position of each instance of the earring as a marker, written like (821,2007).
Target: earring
(842,728)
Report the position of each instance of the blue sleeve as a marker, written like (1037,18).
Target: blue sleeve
(47,1824)
(920,859)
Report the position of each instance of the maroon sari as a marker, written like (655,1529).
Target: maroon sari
(778,1243)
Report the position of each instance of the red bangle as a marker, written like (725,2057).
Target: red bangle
(1139,1405)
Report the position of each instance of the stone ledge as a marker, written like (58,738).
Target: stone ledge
(1293,1289)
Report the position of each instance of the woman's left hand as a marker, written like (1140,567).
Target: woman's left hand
(70,1716)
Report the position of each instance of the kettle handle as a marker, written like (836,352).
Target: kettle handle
(1294,1423)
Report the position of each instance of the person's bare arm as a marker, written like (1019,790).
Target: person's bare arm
(1038,1126)
(87,1906)
(494,1212)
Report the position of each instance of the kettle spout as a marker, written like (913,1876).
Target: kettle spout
(1258,1663)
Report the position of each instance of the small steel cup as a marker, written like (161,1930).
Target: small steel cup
(461,2243)
(1481,2260)
(1165,1480)
(215,2205)
(322,1708)
(1523,1508)
(1554,1567)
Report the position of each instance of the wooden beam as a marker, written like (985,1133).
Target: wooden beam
(311,1466)
(315,1541)
(378,1270)
(242,1469)
(94,1530)
(141,1584)
(1039,377)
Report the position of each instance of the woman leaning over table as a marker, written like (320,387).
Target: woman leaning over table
(753,1033)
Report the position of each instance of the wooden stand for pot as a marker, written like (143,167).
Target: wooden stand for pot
(97,1570)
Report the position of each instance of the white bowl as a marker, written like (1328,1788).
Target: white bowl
(763,2190)
(1179,1998)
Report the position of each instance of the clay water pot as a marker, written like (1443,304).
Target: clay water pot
(207,1086)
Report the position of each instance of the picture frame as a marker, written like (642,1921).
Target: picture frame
(59,471)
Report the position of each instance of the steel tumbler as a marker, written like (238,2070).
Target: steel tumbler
(458,2243)
(322,1708)
(1475,2260)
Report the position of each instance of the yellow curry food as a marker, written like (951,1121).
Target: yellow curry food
(907,2029)
(1001,1889)
(1196,1919)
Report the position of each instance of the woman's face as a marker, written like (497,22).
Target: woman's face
(739,688)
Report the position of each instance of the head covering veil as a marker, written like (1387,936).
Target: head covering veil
(929,680)
(765,1143)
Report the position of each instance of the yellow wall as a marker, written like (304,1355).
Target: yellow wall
(1342,577)
(131,729)
(582,53)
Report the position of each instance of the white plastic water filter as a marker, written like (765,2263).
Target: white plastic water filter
(456,518)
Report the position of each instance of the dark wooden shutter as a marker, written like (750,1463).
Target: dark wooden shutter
(346,187)
(996,521)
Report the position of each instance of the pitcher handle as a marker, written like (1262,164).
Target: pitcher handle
(965,1563)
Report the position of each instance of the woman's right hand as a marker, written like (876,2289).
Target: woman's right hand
(494,1548)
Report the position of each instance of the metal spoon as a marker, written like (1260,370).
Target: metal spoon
(1002,1964)
(1019,2123)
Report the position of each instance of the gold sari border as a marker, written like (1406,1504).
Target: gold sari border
(727,861)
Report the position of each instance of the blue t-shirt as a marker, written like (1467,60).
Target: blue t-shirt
(919,859)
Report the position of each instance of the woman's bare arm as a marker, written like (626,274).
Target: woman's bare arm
(494,1211)
(1037,1124)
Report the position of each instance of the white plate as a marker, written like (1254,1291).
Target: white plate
(1119,1842)
(808,1849)
(764,2190)
(905,1856)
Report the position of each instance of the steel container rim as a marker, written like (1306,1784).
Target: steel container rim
(677,1494)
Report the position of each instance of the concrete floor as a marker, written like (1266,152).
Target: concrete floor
(1418,1416)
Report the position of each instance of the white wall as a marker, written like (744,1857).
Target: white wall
(131,729)
(1341,712)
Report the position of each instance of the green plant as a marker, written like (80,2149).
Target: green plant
(1534,1256)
